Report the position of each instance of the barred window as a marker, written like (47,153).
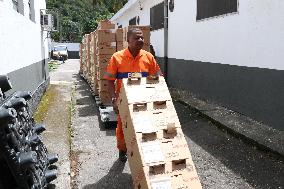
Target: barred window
(132,21)
(211,8)
(157,16)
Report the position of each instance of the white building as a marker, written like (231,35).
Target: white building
(228,52)
(23,45)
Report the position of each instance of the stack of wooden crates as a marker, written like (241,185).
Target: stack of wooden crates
(157,151)
(106,47)
(96,51)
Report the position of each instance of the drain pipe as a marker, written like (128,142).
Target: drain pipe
(166,39)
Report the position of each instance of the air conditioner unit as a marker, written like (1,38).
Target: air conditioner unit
(47,22)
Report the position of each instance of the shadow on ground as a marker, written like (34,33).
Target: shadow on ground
(260,169)
(87,106)
(114,179)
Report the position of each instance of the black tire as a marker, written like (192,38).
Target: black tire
(109,124)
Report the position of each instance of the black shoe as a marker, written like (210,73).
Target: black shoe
(122,156)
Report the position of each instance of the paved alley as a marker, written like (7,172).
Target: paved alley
(89,158)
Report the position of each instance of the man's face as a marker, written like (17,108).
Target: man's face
(136,40)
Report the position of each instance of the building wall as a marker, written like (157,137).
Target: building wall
(23,49)
(234,60)
(253,37)
(22,41)
(144,15)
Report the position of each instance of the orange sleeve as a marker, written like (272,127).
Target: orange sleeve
(111,70)
(154,67)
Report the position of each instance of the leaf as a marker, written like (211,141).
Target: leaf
(77,18)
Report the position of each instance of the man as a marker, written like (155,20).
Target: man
(130,60)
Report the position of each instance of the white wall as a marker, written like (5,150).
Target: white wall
(21,40)
(254,37)
(157,39)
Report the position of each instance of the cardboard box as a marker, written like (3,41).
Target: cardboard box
(106,24)
(148,163)
(106,49)
(163,182)
(103,60)
(187,179)
(145,122)
(95,89)
(157,151)
(149,177)
(125,44)
(166,121)
(149,156)
(104,36)
(119,35)
(175,149)
(100,73)
(88,39)
(103,85)
(105,97)
(119,46)
(145,155)
(156,95)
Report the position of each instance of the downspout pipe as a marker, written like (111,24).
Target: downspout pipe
(166,39)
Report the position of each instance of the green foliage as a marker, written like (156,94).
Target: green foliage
(77,18)
(55,36)
(52,65)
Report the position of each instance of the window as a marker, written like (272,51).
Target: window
(132,21)
(211,8)
(157,16)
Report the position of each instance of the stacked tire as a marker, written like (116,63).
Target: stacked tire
(24,160)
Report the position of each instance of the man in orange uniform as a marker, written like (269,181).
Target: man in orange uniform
(130,60)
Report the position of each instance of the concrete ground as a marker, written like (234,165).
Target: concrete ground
(263,136)
(58,118)
(90,160)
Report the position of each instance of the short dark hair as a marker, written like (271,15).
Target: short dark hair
(132,31)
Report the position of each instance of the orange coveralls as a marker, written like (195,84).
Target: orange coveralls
(120,65)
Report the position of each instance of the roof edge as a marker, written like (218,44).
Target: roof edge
(127,6)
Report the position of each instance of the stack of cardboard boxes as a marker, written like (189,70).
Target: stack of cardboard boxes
(96,51)
(93,70)
(119,39)
(83,57)
(88,56)
(157,151)
(106,46)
